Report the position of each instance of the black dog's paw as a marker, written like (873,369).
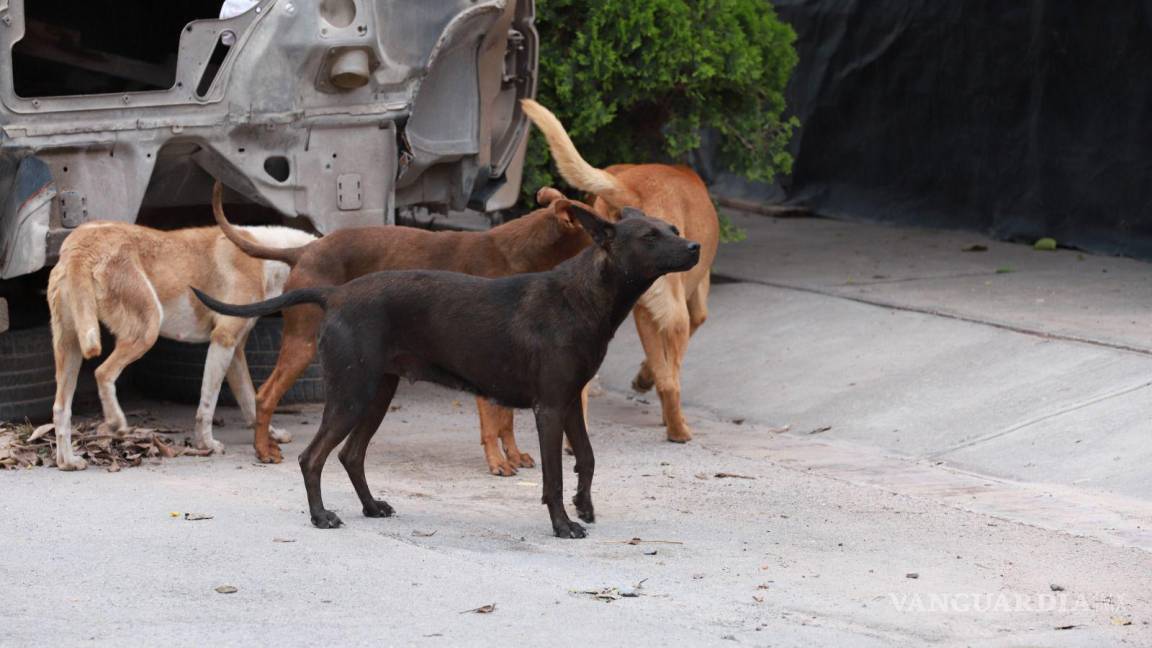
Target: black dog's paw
(570,530)
(584,510)
(327,520)
(378,510)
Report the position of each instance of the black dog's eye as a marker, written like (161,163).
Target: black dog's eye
(676,230)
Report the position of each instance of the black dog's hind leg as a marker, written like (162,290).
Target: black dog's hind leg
(550,427)
(352,454)
(577,431)
(349,398)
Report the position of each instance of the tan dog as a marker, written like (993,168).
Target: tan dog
(135,281)
(677,304)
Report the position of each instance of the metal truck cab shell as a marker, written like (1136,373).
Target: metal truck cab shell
(338,111)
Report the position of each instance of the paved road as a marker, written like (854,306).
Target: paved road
(947,458)
(790,557)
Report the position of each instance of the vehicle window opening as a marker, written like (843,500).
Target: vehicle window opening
(219,53)
(102,46)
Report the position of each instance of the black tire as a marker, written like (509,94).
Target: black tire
(27,375)
(174,370)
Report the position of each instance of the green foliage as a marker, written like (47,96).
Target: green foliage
(638,80)
(730,232)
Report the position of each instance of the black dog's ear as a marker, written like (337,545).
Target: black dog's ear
(631,212)
(599,229)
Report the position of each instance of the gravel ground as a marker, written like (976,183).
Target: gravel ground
(780,555)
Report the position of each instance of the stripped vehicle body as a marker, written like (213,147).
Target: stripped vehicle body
(338,111)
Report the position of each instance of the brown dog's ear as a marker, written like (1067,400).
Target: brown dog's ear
(548,195)
(562,210)
(601,231)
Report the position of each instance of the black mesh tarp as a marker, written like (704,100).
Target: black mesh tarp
(1019,119)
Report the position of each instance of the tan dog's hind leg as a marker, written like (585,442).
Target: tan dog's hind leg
(297,348)
(511,450)
(664,335)
(68,360)
(133,314)
(643,381)
(227,336)
(698,304)
(127,351)
(496,423)
(240,382)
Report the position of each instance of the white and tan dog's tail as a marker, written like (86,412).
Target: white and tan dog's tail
(573,168)
(72,300)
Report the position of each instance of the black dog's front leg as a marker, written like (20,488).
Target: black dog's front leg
(577,430)
(550,427)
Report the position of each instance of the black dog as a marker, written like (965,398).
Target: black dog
(531,340)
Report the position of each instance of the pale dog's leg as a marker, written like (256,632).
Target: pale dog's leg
(216,365)
(68,361)
(240,381)
(136,324)
(125,353)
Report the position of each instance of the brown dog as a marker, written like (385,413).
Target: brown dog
(677,304)
(535,242)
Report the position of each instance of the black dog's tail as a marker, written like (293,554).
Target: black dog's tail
(303,296)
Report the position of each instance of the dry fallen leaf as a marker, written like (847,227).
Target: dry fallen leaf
(483,609)
(728,475)
(226,589)
(192,517)
(40,432)
(423,534)
(21,446)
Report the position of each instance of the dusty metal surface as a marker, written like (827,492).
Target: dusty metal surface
(413,104)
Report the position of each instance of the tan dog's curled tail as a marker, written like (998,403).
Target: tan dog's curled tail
(251,248)
(72,297)
(573,168)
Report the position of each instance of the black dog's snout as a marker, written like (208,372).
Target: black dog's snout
(693,247)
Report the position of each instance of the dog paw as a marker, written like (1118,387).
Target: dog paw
(279,435)
(680,436)
(378,509)
(75,463)
(569,530)
(270,454)
(327,520)
(643,381)
(525,460)
(586,513)
(211,444)
(112,428)
(502,469)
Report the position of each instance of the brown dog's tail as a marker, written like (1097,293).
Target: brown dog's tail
(251,248)
(573,168)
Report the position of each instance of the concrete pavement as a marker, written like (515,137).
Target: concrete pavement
(964,465)
(788,553)
(899,340)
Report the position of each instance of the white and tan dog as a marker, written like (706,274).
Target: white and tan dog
(135,281)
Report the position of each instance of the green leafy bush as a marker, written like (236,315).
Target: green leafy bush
(639,80)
